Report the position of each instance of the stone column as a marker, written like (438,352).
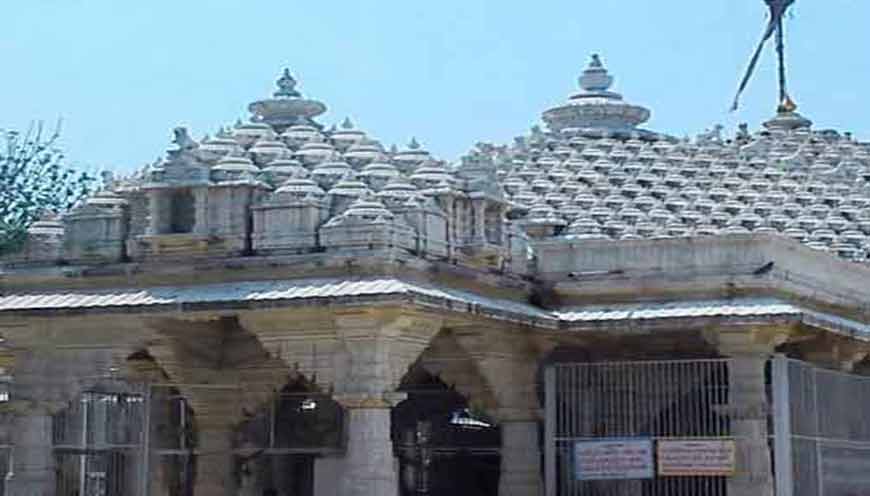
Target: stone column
(520,459)
(215,462)
(378,349)
(507,359)
(33,471)
(200,196)
(369,466)
(157,212)
(479,209)
(748,407)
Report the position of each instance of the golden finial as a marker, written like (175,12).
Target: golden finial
(787,106)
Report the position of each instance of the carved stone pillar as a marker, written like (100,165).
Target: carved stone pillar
(158,212)
(749,426)
(215,462)
(369,467)
(361,356)
(379,349)
(33,471)
(479,208)
(508,361)
(520,459)
(200,196)
(748,407)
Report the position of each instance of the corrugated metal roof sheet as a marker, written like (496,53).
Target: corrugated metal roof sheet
(254,291)
(212,293)
(302,289)
(710,308)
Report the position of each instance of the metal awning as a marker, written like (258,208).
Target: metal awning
(254,294)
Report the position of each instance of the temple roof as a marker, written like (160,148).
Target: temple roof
(592,173)
(603,179)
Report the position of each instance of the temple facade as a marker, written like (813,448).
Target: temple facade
(596,308)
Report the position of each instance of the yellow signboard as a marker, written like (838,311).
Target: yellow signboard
(696,458)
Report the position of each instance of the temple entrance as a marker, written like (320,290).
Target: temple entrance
(443,445)
(600,414)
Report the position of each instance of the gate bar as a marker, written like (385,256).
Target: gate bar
(146,443)
(550,431)
(782,442)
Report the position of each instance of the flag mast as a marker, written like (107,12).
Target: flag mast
(775,25)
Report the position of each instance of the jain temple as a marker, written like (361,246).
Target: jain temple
(292,308)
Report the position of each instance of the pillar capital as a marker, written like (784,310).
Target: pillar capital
(355,401)
(376,349)
(747,341)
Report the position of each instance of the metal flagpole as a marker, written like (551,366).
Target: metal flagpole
(778,9)
(780,51)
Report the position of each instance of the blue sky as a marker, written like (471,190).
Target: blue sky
(123,74)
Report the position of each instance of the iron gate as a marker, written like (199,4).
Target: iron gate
(272,449)
(98,441)
(641,402)
(822,425)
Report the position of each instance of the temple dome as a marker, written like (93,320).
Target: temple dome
(596,109)
(287,107)
(346,136)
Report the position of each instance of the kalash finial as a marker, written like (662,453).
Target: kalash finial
(347,124)
(414,144)
(596,61)
(595,77)
(786,106)
(286,86)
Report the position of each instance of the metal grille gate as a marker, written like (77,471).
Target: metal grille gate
(655,400)
(822,430)
(144,440)
(98,443)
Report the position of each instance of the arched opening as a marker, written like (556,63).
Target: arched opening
(277,448)
(444,444)
(97,442)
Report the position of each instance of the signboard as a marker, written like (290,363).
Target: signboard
(696,458)
(614,459)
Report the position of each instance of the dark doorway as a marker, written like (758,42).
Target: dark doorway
(182,211)
(443,445)
(281,442)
